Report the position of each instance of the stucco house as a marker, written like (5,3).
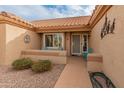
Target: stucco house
(56,39)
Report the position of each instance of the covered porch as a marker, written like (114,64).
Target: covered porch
(74,43)
(65,34)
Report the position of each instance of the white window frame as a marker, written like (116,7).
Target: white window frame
(87,42)
(44,41)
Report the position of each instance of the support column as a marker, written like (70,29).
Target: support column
(68,43)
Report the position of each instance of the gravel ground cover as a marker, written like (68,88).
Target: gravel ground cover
(10,78)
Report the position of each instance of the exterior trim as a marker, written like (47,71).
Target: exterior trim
(99,12)
(18,25)
(84,29)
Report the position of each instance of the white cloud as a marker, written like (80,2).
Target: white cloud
(89,9)
(35,12)
(81,10)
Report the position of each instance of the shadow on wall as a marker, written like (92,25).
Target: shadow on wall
(15,44)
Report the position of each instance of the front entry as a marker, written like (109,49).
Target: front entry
(79,43)
(76,44)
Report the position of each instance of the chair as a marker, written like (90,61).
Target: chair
(90,50)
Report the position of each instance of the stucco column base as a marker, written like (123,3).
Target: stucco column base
(94,63)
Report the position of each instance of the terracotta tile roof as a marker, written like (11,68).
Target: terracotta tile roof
(11,15)
(12,18)
(62,22)
(72,23)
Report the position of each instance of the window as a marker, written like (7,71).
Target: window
(49,40)
(54,40)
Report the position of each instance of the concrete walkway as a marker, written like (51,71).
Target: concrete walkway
(74,75)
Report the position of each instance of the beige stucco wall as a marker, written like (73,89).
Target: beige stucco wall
(2,43)
(14,42)
(56,57)
(111,46)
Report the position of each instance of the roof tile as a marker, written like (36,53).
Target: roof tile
(70,21)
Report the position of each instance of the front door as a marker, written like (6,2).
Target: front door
(76,44)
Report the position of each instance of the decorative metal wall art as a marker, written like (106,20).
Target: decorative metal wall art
(107,27)
(27,39)
(112,26)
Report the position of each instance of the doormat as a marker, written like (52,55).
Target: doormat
(100,80)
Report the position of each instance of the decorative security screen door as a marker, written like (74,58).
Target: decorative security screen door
(76,44)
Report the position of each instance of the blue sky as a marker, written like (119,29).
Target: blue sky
(36,12)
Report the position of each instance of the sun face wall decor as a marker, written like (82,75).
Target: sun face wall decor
(27,39)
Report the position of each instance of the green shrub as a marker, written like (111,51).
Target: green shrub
(42,66)
(21,64)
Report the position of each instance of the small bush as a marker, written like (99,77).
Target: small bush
(21,64)
(42,66)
